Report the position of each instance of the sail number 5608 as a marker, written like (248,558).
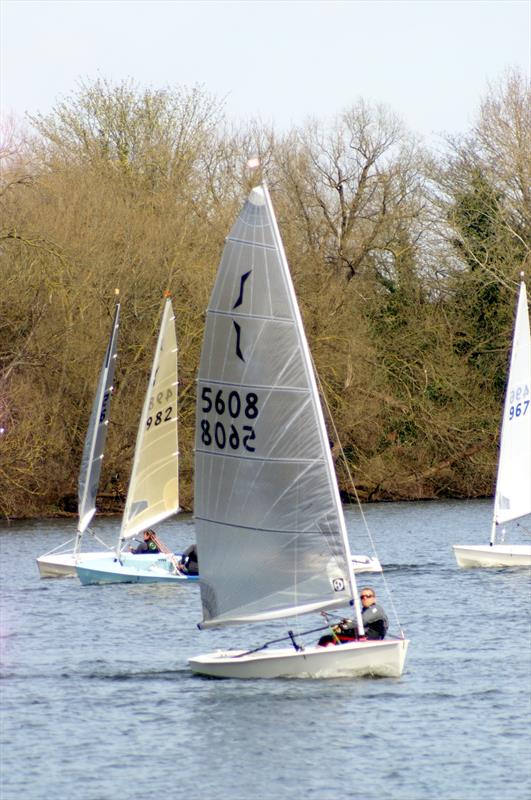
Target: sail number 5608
(228,434)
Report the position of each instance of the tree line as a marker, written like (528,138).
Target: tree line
(406,262)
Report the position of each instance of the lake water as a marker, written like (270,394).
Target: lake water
(98,703)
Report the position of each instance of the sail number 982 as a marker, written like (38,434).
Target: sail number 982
(237,408)
(163,414)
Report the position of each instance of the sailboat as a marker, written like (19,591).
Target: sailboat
(512,499)
(59,563)
(153,492)
(270,530)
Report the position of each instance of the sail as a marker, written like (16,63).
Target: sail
(271,535)
(153,492)
(91,460)
(513,485)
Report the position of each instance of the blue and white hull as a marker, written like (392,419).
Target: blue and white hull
(130,569)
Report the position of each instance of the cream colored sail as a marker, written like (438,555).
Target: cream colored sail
(153,492)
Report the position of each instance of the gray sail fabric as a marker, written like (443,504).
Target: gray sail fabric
(153,493)
(91,461)
(270,530)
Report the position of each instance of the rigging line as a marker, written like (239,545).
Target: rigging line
(59,546)
(281,639)
(524,528)
(355,491)
(95,535)
(163,547)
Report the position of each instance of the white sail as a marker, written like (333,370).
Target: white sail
(513,485)
(91,461)
(153,492)
(271,535)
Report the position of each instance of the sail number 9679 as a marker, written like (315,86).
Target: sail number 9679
(229,433)
(519,402)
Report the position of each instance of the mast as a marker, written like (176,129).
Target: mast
(322,426)
(96,434)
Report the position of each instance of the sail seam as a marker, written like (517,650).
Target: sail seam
(261,458)
(287,531)
(294,389)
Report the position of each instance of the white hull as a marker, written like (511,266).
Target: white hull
(359,659)
(496,555)
(63,565)
(366,564)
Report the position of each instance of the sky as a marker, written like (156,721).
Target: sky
(282,61)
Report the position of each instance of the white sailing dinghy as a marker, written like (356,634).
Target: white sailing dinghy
(512,499)
(271,535)
(59,563)
(153,493)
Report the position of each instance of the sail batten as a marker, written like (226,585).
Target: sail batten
(271,535)
(249,243)
(234,315)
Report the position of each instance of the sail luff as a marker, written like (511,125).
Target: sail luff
(153,492)
(93,449)
(513,482)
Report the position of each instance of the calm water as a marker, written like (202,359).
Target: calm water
(98,703)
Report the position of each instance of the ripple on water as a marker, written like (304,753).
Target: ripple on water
(92,675)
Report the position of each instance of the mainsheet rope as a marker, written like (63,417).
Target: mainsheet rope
(355,492)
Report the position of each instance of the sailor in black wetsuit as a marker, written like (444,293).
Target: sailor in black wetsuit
(188,563)
(374,619)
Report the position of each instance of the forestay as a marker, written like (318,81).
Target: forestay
(92,458)
(153,492)
(282,548)
(513,486)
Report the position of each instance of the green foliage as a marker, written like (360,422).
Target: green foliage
(482,305)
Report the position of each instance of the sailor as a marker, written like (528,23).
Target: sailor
(374,619)
(149,545)
(188,563)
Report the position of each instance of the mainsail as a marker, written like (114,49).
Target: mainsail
(513,485)
(271,535)
(153,492)
(91,461)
